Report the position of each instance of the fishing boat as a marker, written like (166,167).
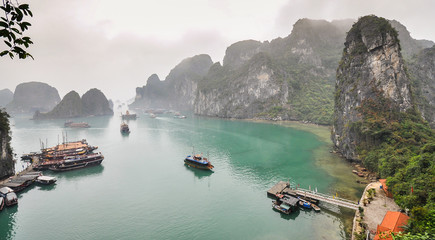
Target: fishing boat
(77,162)
(315,207)
(9,196)
(304,204)
(128,116)
(46,180)
(285,203)
(124,128)
(198,161)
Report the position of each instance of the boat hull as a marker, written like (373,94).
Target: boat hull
(198,165)
(76,165)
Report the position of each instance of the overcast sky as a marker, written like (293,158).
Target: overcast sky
(116,45)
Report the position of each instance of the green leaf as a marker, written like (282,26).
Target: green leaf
(20,14)
(31,14)
(3,24)
(11,55)
(8,43)
(23,6)
(16,30)
(4,53)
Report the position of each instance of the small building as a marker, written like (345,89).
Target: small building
(385,188)
(392,222)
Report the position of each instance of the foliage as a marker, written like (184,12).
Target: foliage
(12,27)
(400,147)
(5,130)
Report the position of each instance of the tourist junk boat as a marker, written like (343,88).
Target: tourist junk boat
(52,156)
(72,124)
(198,161)
(128,116)
(77,162)
(46,180)
(124,128)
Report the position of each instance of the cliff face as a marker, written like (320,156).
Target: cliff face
(93,103)
(371,71)
(178,90)
(7,167)
(288,78)
(33,96)
(6,97)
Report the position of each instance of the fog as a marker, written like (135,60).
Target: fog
(115,46)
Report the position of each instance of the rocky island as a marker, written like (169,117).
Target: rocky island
(92,103)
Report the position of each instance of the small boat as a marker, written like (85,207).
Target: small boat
(198,161)
(304,204)
(2,203)
(124,128)
(315,207)
(46,180)
(152,115)
(128,116)
(72,124)
(9,196)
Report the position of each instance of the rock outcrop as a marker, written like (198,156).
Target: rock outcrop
(92,103)
(6,97)
(7,167)
(178,90)
(33,96)
(371,75)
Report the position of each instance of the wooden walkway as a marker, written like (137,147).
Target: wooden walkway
(283,187)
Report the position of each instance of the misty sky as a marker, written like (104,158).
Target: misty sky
(116,45)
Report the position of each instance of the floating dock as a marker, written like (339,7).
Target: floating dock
(312,196)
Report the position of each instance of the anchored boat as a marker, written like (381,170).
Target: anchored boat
(124,128)
(198,161)
(77,162)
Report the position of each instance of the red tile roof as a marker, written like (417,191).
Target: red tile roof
(392,222)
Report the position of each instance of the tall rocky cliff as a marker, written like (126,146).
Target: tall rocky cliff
(92,103)
(33,96)
(371,77)
(7,167)
(178,90)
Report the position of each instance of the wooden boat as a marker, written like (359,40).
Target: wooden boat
(315,207)
(72,124)
(46,180)
(124,128)
(285,204)
(198,161)
(78,162)
(9,196)
(128,116)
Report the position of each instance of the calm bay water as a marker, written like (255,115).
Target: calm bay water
(143,190)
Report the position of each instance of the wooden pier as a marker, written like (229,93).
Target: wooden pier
(284,188)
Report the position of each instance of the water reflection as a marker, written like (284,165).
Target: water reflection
(291,216)
(7,222)
(199,173)
(85,172)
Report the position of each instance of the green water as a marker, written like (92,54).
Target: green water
(143,190)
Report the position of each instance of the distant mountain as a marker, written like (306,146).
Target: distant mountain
(92,103)
(6,97)
(178,90)
(33,96)
(422,71)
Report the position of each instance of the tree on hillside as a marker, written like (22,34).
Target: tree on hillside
(12,27)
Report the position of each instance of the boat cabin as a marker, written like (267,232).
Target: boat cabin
(9,196)
(46,180)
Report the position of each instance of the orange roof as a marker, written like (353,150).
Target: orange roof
(384,183)
(392,222)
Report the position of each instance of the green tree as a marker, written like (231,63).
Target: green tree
(12,27)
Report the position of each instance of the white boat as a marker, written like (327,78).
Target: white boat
(46,180)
